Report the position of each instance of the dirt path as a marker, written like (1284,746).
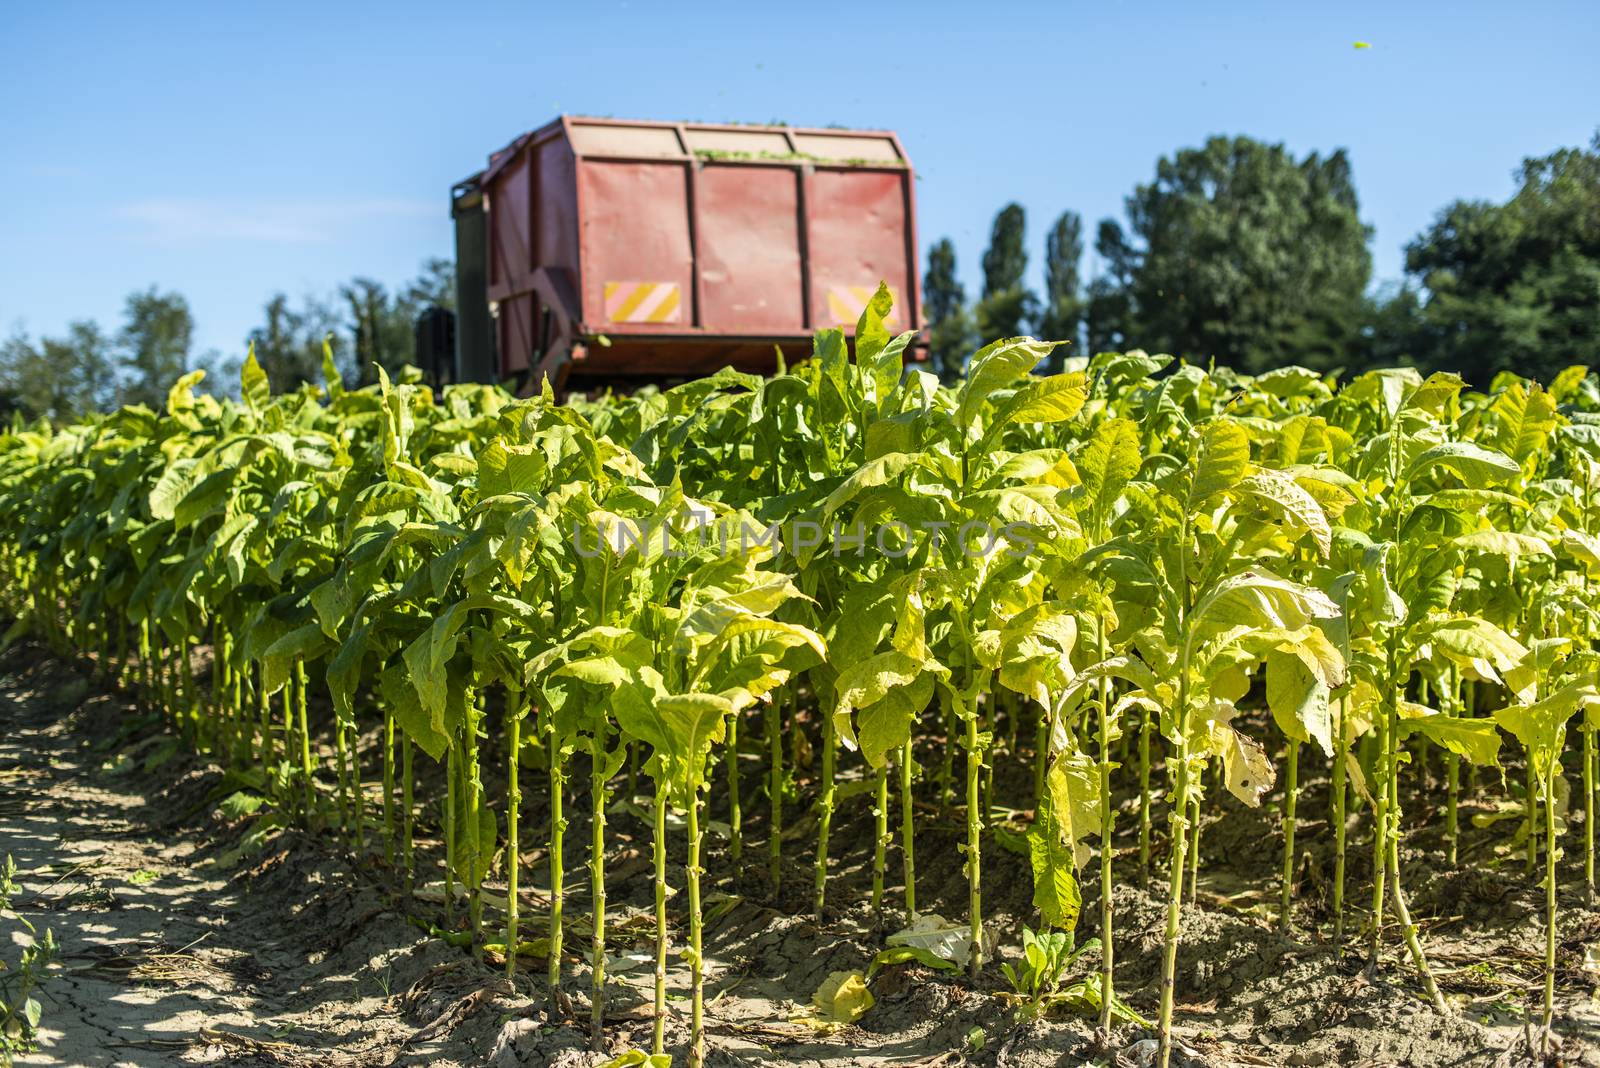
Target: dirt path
(167,956)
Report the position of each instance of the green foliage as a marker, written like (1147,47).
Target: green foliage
(944,307)
(1008,306)
(20,1007)
(1210,564)
(1515,286)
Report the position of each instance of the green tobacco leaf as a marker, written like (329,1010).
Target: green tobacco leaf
(1527,417)
(1434,394)
(1055,887)
(1288,502)
(1469,638)
(1055,399)
(253,386)
(1074,802)
(302,643)
(1106,464)
(1474,464)
(1504,543)
(400,698)
(888,958)
(1298,700)
(1263,600)
(180,398)
(1539,725)
(888,690)
(172,487)
(871,335)
(1221,461)
(996,366)
(331,378)
(1475,739)
(428,659)
(638,1058)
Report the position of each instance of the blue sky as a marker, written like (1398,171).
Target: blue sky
(230,151)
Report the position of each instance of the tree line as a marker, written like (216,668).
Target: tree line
(92,369)
(1234,251)
(1239,252)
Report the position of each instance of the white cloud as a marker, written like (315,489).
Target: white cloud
(287,222)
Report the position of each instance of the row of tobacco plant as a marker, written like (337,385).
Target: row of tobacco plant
(1115,557)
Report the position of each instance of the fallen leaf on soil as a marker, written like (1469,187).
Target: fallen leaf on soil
(638,1057)
(937,935)
(843,998)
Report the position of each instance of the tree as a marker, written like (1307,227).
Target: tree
(289,344)
(1063,303)
(1108,314)
(1247,255)
(1395,332)
(1516,285)
(153,346)
(1007,305)
(383,327)
(59,379)
(435,285)
(944,303)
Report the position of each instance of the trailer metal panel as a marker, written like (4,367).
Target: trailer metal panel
(619,250)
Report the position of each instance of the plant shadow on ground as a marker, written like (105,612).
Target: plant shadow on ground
(181,946)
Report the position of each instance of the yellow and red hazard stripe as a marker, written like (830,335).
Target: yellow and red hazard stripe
(643,302)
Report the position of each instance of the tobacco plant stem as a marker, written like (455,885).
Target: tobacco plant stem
(407,819)
(358,808)
(269,737)
(1413,942)
(735,832)
(1531,813)
(1291,793)
(774,726)
(825,814)
(1194,852)
(908,831)
(991,713)
(1402,913)
(1380,831)
(1041,755)
(880,848)
(513,819)
(344,777)
(974,842)
(305,739)
(1452,782)
(388,787)
(473,782)
(947,754)
(1339,792)
(1144,796)
(558,825)
(1549,898)
(697,1038)
(659,810)
(1588,817)
(1107,845)
(597,882)
(451,800)
(1180,841)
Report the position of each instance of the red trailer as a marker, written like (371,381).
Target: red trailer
(599,252)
